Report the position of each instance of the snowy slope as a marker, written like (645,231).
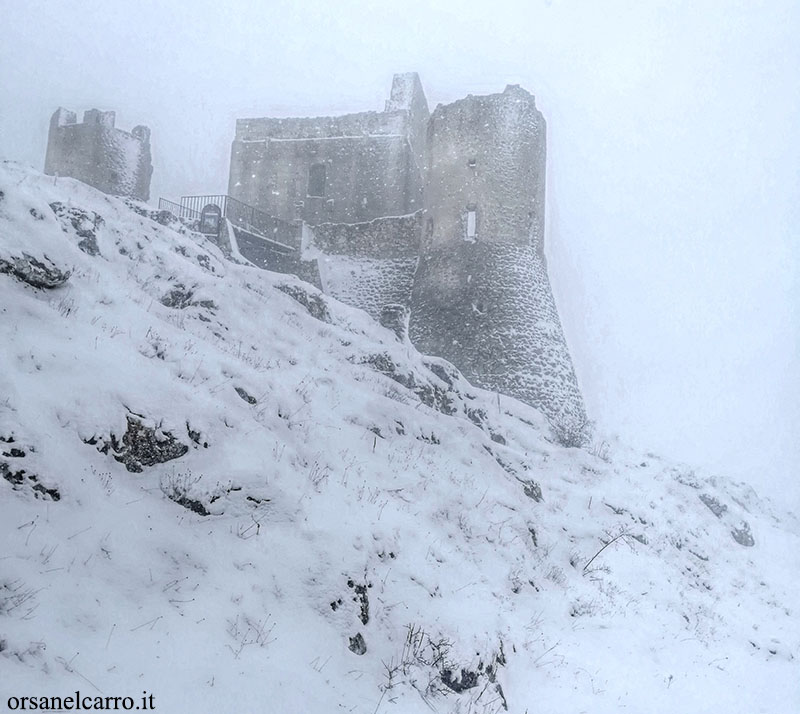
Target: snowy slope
(227,490)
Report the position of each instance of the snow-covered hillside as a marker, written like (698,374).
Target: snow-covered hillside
(225,489)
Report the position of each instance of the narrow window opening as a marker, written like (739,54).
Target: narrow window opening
(316,180)
(429,228)
(471,224)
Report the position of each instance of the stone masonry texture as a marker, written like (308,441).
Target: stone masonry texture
(442,213)
(481,296)
(97,153)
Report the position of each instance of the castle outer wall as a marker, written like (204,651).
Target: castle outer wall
(368,265)
(95,152)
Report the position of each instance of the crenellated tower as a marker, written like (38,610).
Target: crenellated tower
(96,152)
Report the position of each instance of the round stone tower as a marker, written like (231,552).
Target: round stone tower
(481,297)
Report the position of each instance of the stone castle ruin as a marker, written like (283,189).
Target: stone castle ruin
(432,223)
(97,153)
(442,213)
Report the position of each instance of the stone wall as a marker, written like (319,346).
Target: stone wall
(95,152)
(487,154)
(488,308)
(365,177)
(368,265)
(367,283)
(371,161)
(268,255)
(383,238)
(353,125)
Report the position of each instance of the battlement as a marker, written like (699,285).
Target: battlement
(355,126)
(406,101)
(96,152)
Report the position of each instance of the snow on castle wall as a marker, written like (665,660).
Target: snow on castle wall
(370,264)
(95,152)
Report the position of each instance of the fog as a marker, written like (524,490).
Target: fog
(673,166)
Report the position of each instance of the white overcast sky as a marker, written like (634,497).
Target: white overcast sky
(673,160)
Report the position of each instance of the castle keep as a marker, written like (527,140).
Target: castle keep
(344,169)
(97,153)
(441,213)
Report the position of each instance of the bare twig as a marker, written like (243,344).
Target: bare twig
(613,540)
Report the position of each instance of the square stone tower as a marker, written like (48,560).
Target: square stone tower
(341,169)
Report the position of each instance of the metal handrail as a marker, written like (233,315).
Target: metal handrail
(178,210)
(246,217)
